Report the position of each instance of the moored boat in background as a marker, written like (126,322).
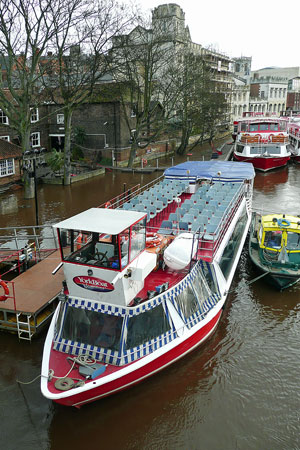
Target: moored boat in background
(262,141)
(294,138)
(274,248)
(147,278)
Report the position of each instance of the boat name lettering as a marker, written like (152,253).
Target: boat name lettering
(93,284)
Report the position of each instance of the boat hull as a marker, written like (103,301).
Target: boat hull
(137,375)
(263,164)
(295,158)
(280,281)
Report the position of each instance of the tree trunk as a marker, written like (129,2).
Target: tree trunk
(132,155)
(67,147)
(28,172)
(184,141)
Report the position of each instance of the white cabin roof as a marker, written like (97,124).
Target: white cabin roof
(101,220)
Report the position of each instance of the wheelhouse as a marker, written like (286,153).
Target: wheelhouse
(111,244)
(278,232)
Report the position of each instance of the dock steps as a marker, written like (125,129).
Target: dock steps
(24,327)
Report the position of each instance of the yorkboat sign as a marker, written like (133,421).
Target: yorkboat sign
(93,284)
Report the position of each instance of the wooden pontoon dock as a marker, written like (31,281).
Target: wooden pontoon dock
(33,293)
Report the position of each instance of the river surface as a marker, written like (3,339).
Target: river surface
(239,390)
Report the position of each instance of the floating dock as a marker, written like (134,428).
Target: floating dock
(33,292)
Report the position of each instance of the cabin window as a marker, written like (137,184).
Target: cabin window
(146,326)
(253,127)
(256,150)
(231,249)
(92,249)
(239,148)
(244,127)
(138,239)
(273,239)
(92,328)
(282,126)
(260,234)
(124,242)
(274,127)
(293,241)
(205,285)
(264,126)
(187,302)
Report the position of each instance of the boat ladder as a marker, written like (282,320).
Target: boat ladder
(24,328)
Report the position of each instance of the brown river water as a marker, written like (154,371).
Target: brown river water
(239,390)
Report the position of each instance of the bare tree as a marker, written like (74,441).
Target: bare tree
(80,61)
(203,101)
(25,32)
(140,63)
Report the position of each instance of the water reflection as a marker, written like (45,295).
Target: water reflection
(240,390)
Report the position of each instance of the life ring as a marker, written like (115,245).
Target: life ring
(283,222)
(107,205)
(153,241)
(6,291)
(150,234)
(144,161)
(79,241)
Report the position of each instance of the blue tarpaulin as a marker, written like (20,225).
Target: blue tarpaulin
(212,170)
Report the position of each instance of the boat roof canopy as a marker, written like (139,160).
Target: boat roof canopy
(283,221)
(212,170)
(101,220)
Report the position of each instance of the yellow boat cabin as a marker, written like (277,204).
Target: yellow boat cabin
(278,231)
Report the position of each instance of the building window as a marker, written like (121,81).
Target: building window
(34,115)
(35,139)
(5,138)
(60,119)
(7,167)
(3,118)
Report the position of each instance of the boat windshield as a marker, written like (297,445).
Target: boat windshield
(146,326)
(293,241)
(103,250)
(273,239)
(92,328)
(271,149)
(93,249)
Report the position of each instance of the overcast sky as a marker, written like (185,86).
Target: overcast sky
(267,30)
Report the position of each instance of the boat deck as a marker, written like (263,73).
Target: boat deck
(32,295)
(207,213)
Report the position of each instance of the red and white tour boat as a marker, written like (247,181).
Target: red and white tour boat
(294,138)
(146,279)
(262,141)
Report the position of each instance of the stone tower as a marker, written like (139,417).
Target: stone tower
(168,20)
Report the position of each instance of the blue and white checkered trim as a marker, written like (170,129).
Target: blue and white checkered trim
(123,356)
(100,307)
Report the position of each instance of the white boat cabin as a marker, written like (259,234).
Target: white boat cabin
(103,251)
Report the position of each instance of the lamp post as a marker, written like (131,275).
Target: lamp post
(30,164)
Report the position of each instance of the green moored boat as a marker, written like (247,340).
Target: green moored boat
(274,248)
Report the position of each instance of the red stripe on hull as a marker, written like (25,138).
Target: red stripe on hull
(149,369)
(264,164)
